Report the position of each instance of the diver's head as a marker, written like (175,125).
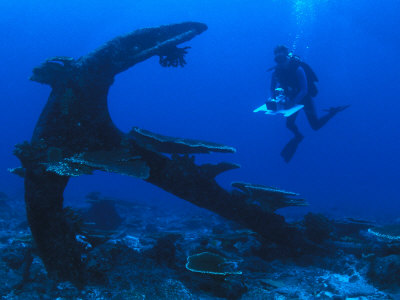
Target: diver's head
(281,53)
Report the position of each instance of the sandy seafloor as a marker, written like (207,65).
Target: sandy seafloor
(145,258)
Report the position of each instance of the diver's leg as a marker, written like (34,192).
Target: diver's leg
(291,124)
(311,114)
(290,148)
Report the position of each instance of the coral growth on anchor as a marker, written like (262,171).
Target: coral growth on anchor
(173,56)
(166,144)
(107,161)
(268,198)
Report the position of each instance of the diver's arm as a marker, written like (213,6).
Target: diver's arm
(301,76)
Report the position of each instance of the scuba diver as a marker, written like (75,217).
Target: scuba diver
(297,80)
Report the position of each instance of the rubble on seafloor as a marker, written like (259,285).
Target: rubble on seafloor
(149,251)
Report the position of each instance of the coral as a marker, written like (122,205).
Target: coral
(389,232)
(107,161)
(167,144)
(64,168)
(269,198)
(173,56)
(211,263)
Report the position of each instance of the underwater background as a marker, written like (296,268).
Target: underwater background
(348,168)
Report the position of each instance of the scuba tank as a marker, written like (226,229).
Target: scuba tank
(310,74)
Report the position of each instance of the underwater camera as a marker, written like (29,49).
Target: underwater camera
(279,102)
(272,104)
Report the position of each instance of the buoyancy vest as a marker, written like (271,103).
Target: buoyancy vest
(288,80)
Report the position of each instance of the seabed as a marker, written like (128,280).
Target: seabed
(144,255)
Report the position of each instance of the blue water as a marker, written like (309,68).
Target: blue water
(348,168)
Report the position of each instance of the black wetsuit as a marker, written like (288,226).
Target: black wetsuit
(297,79)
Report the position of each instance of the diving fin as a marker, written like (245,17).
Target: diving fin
(335,109)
